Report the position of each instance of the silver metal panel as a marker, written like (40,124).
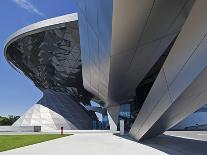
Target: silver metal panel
(128,33)
(189,101)
(129,20)
(161,11)
(144,35)
(184,71)
(136,70)
(154,97)
(95,28)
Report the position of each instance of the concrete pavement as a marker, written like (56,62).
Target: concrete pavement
(195,135)
(180,142)
(109,144)
(85,144)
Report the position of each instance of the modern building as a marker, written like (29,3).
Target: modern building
(142,61)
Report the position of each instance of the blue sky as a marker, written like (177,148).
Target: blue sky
(17,93)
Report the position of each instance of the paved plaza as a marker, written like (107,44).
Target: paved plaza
(110,144)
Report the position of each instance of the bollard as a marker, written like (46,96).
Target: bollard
(61,130)
(122,127)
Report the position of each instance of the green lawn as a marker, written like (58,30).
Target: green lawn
(8,142)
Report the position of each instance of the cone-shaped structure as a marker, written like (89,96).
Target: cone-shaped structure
(55,110)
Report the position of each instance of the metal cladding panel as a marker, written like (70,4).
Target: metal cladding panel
(142,37)
(95,40)
(146,113)
(189,101)
(184,71)
(129,20)
(160,12)
(196,63)
(124,31)
(191,61)
(134,63)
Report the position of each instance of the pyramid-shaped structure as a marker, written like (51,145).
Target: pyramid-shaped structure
(55,110)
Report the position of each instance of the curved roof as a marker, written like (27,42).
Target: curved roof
(48,52)
(41,26)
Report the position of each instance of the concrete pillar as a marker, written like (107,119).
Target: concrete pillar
(113,116)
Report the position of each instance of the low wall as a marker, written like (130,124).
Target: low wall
(20,128)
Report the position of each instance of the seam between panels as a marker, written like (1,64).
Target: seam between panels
(153,106)
(179,13)
(145,25)
(198,94)
(161,38)
(168,89)
(89,25)
(144,44)
(165,36)
(168,86)
(100,40)
(139,38)
(183,66)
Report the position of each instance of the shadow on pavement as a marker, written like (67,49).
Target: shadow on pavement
(174,145)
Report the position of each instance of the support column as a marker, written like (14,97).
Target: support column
(180,88)
(113,116)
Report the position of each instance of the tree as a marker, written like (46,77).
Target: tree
(8,120)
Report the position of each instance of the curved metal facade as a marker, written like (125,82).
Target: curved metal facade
(50,56)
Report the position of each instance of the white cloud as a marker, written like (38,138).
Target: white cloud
(27,5)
